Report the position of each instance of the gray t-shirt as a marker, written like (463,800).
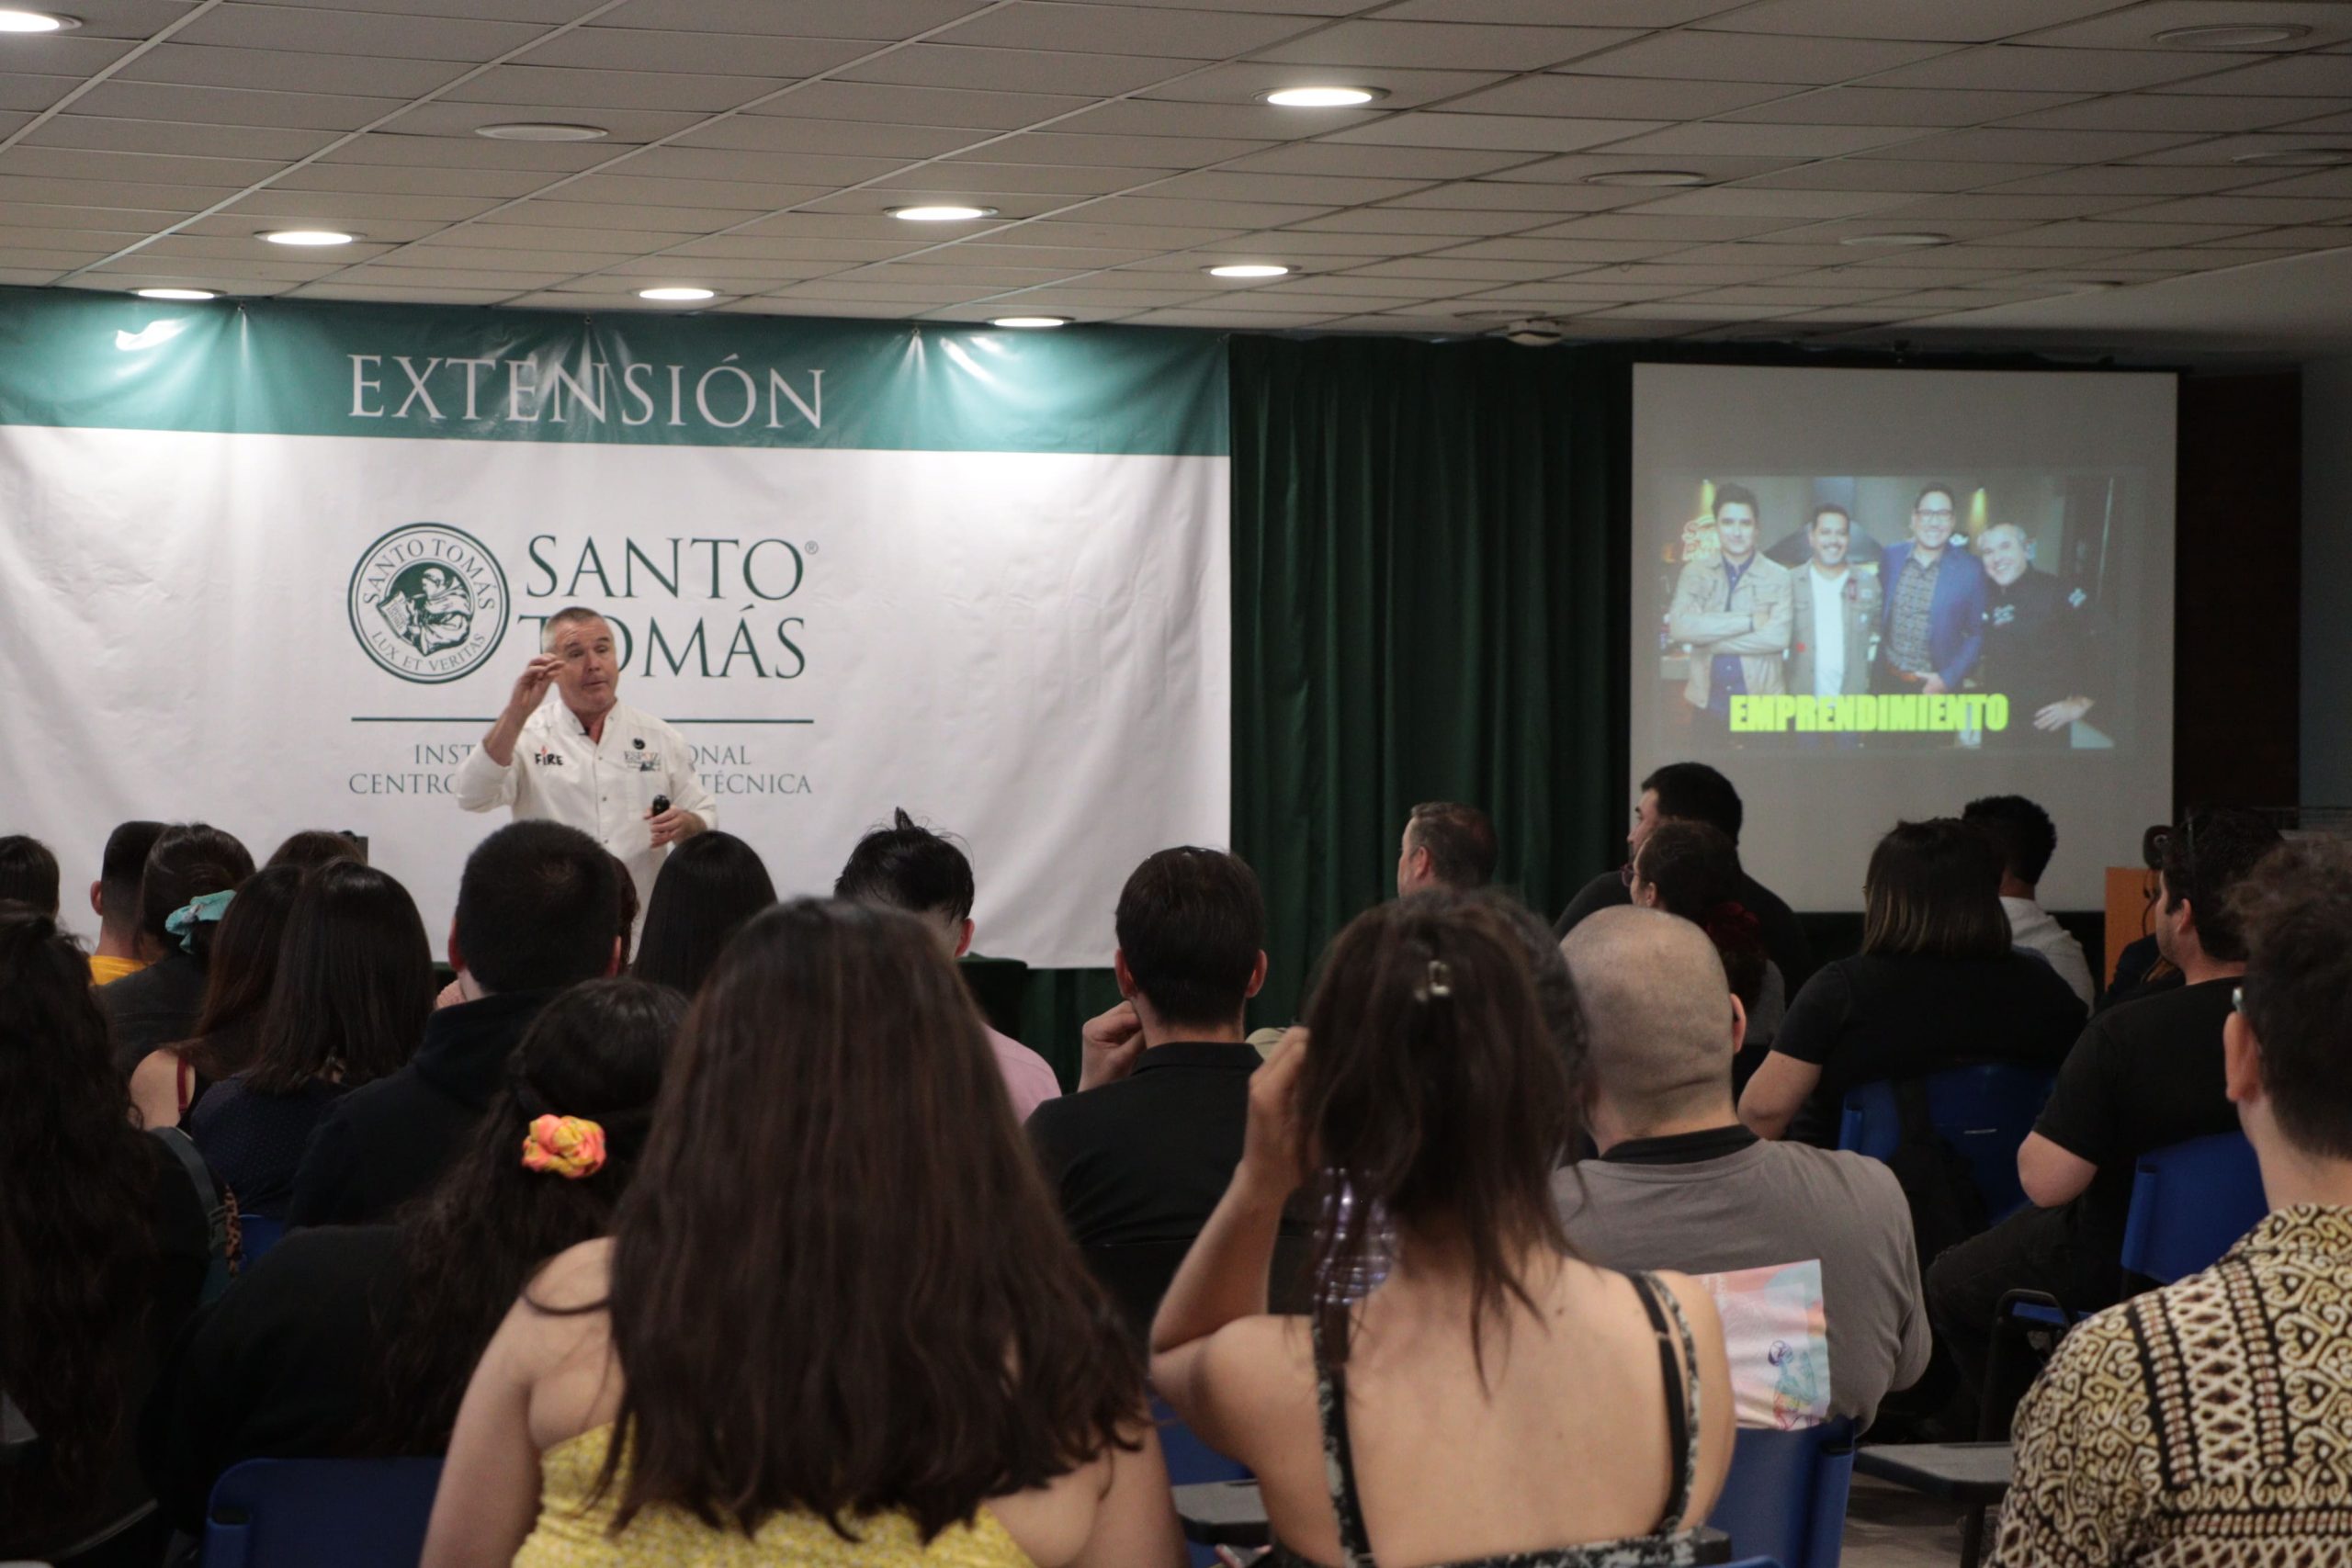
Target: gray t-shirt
(1761,1204)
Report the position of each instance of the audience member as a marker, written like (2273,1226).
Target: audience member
(104,1248)
(1693,792)
(27,874)
(2023,833)
(358,1339)
(182,890)
(1425,1420)
(314,847)
(1140,1156)
(906,867)
(354,984)
(2206,1422)
(237,984)
(114,899)
(2143,1075)
(1936,984)
(707,891)
(1680,1184)
(1689,869)
(837,1307)
(1445,845)
(539,909)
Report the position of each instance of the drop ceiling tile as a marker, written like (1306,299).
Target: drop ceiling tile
(1174,318)
(693,162)
(375,213)
(2132,27)
(33,237)
(149,198)
(2006,203)
(51,262)
(320,29)
(356,75)
(1596,13)
(1260,303)
(1400,220)
(2181,112)
(1564,296)
(1343,247)
(452,118)
(968,277)
(1975,21)
(1056,149)
(1145,210)
(2022,67)
(124,19)
(1462,45)
(2119,179)
(1891,280)
(1044,179)
(790,248)
(178,249)
(2107,233)
(895,104)
(2043,147)
(737,273)
(629,47)
(1399,163)
(103,134)
(1790,294)
(622,217)
(1745,201)
(786,310)
(78,163)
(828,138)
(1078,230)
(1584,165)
(1948,299)
(1675,310)
(870,20)
(1726,139)
(1242,81)
(225,106)
(71,54)
(1317,190)
(1067,258)
(434,294)
(544,11)
(78,215)
(375,275)
(1998,257)
(1016,70)
(990,310)
(1440,271)
(2325,237)
(2248,209)
(1680,228)
(1567,248)
(2223,152)
(1775,249)
(1502,132)
(675,91)
(1497,196)
(1614,97)
(1126,29)
(1754,57)
(361,180)
(1925,107)
(1893,173)
(734,197)
(1562,254)
(2321,183)
(605,245)
(24,93)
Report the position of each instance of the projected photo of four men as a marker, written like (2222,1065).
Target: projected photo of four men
(1887,613)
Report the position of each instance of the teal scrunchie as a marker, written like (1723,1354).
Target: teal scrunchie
(203,910)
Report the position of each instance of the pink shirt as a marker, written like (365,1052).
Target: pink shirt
(1026,1076)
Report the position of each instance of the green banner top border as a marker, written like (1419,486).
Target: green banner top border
(75,358)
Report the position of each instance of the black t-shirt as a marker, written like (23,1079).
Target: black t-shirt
(1881,1015)
(1147,1159)
(2144,1076)
(1782,933)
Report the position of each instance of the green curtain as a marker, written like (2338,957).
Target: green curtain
(1428,561)
(1428,585)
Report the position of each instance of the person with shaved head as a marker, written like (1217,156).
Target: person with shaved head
(1679,1184)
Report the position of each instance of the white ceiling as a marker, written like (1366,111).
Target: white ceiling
(755,145)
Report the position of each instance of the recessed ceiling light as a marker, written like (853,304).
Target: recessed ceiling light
(175,294)
(1321,97)
(1248,269)
(307,237)
(941,213)
(1895,241)
(1647,177)
(677,294)
(2233,35)
(2299,157)
(541,131)
(1029,322)
(15,21)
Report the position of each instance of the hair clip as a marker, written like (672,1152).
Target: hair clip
(1440,982)
(570,1146)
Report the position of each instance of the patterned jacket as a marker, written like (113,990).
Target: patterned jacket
(1711,617)
(2209,1423)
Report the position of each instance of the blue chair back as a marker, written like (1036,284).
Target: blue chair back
(255,1237)
(1983,1112)
(298,1513)
(2189,1205)
(1785,1497)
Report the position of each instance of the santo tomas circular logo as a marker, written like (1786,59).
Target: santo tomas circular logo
(428,603)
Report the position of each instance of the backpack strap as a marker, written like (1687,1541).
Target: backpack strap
(219,1210)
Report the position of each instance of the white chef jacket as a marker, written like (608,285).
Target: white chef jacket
(603,788)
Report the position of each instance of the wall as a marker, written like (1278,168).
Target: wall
(2327,584)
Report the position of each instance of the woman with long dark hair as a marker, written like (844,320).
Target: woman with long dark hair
(1936,985)
(239,972)
(1427,1419)
(839,1319)
(358,1339)
(710,888)
(354,984)
(183,892)
(104,1245)
(1692,870)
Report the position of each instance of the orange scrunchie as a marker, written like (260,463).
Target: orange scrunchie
(571,1147)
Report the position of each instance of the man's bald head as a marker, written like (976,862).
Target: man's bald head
(1658,1014)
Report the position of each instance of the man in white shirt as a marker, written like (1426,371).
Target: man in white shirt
(1834,613)
(589,759)
(2026,839)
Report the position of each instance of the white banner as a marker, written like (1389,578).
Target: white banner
(1030,649)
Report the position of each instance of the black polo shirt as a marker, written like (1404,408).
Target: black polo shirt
(1146,1158)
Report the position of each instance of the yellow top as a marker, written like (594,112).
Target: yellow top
(105,971)
(573,1534)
